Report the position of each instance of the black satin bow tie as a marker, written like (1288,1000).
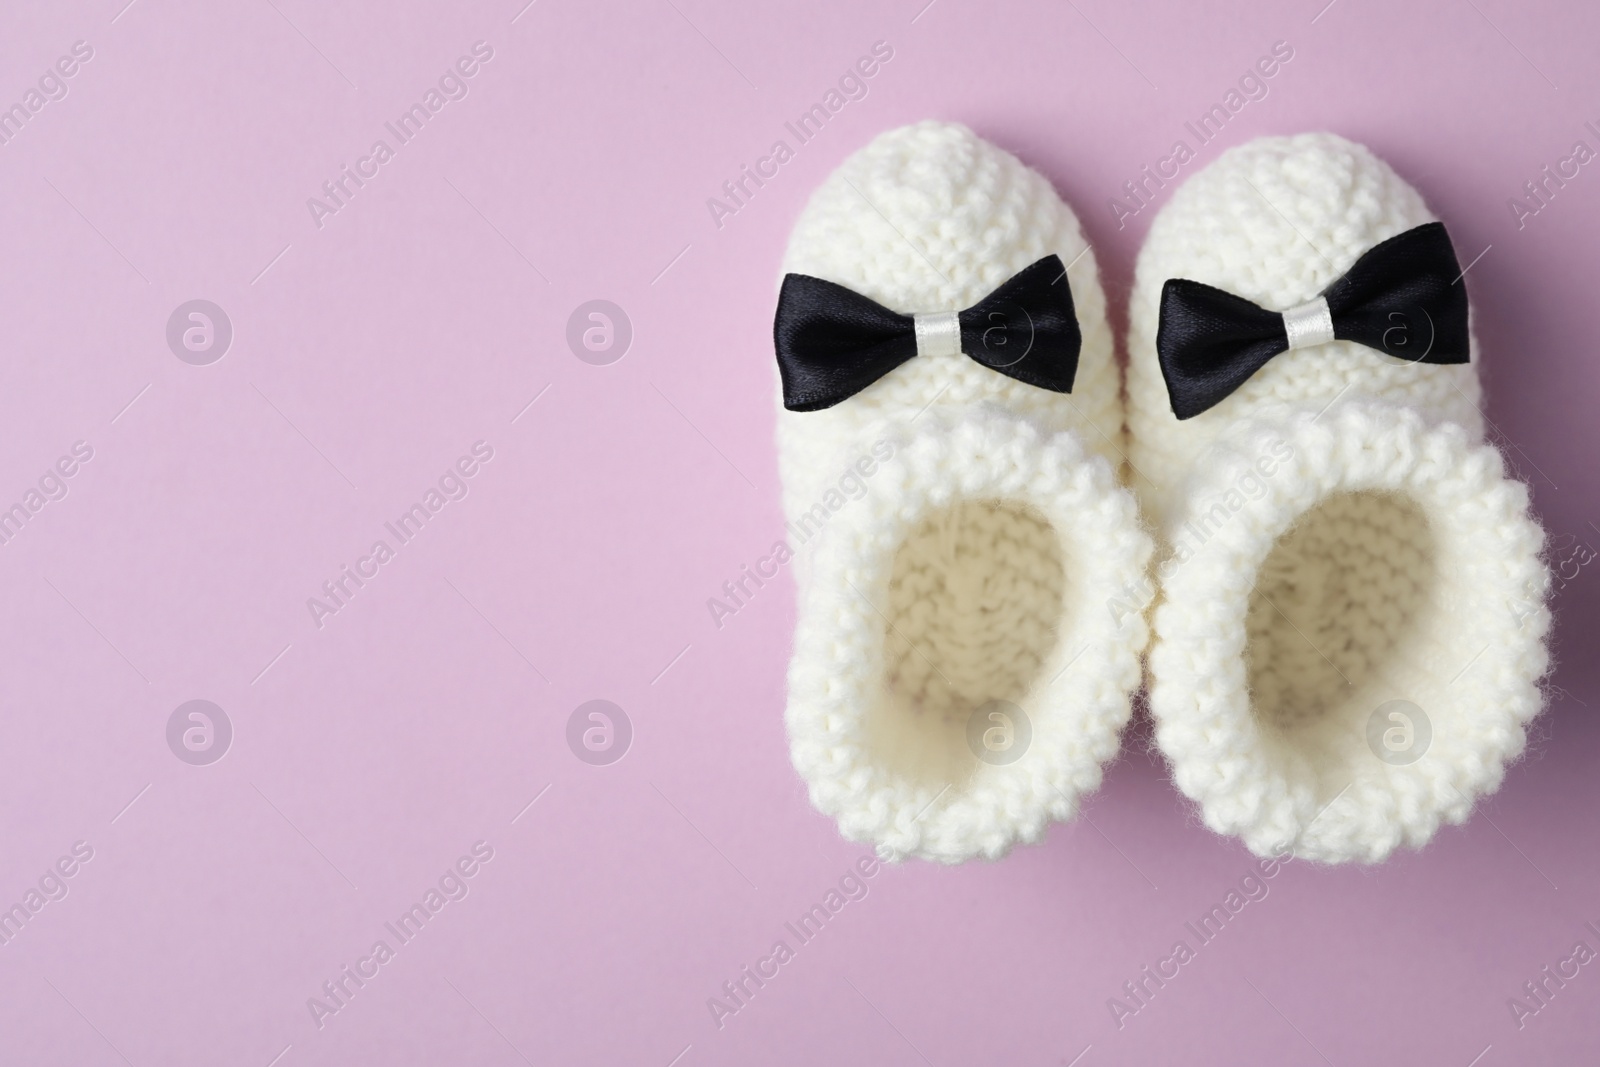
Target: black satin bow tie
(1402,297)
(832,343)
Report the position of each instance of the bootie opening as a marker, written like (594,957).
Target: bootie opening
(1339,616)
(968,637)
(1351,630)
(975,609)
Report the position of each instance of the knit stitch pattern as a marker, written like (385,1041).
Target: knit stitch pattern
(978,565)
(1338,537)
(930,217)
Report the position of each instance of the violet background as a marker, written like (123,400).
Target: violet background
(376,349)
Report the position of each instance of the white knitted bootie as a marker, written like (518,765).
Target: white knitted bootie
(957,681)
(1352,621)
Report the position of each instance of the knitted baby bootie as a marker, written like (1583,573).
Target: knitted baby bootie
(1352,620)
(958,675)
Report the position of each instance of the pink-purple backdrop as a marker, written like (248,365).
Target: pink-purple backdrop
(374,345)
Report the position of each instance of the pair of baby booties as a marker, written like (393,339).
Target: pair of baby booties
(1341,590)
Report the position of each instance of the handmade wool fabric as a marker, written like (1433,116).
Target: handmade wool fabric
(957,679)
(1352,619)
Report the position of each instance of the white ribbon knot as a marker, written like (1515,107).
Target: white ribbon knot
(938,333)
(1308,324)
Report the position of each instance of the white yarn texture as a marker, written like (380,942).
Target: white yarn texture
(979,563)
(1338,537)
